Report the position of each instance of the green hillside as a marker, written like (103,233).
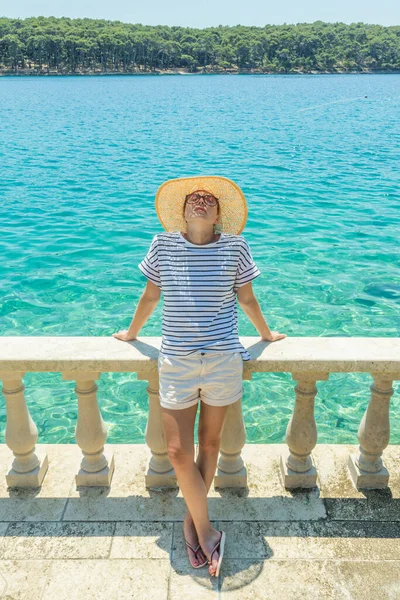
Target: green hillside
(61,45)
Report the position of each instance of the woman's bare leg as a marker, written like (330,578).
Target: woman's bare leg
(179,431)
(209,435)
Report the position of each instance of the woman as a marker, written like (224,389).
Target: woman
(201,264)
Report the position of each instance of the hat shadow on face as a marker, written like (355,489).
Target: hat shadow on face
(186,206)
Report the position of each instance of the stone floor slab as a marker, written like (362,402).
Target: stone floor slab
(3,529)
(25,541)
(191,584)
(312,540)
(116,579)
(23,579)
(31,508)
(45,503)
(142,540)
(378,505)
(309,580)
(269,580)
(368,580)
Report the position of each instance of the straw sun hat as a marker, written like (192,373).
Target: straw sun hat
(171,195)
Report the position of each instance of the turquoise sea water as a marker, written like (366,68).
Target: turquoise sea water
(318,159)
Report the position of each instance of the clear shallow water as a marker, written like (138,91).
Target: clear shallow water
(317,158)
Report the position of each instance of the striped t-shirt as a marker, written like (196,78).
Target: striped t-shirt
(199,284)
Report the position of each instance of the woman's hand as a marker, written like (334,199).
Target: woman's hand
(123,335)
(275,336)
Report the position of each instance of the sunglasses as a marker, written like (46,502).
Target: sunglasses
(208,199)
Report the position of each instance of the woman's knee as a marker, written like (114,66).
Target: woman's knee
(208,443)
(179,434)
(180,455)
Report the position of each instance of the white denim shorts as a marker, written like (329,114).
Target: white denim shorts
(213,377)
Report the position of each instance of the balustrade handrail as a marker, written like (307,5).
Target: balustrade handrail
(107,354)
(308,359)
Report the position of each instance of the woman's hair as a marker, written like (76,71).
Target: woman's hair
(184,205)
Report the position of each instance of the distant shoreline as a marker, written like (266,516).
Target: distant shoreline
(29,73)
(53,46)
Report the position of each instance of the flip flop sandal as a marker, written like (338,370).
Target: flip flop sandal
(195,550)
(221,543)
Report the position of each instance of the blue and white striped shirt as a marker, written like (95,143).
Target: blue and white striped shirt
(199,284)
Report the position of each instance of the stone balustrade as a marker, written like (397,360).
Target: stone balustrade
(309,360)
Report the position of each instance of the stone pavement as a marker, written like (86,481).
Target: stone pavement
(126,542)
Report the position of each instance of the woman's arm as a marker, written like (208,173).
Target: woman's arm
(146,305)
(249,304)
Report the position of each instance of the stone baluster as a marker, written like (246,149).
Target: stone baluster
(28,467)
(231,468)
(160,472)
(97,465)
(297,464)
(366,468)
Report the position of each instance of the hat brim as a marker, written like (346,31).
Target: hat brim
(170,198)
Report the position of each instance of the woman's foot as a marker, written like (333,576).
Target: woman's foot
(208,546)
(190,535)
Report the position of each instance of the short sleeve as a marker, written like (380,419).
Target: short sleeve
(247,269)
(149,265)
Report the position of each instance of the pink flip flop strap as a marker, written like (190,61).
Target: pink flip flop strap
(192,547)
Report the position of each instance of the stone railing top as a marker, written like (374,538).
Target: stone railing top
(107,354)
